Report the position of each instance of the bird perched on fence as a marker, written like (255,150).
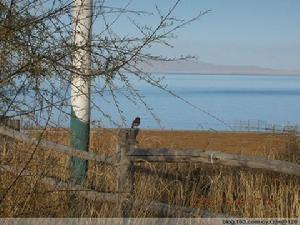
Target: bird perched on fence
(136,122)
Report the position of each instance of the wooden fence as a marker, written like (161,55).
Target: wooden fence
(11,123)
(128,154)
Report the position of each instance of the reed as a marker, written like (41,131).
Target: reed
(219,189)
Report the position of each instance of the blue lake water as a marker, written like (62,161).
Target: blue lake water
(216,99)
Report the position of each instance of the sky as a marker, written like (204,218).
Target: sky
(236,32)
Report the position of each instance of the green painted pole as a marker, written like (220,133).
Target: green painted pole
(80,89)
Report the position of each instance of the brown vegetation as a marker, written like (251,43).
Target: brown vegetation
(233,191)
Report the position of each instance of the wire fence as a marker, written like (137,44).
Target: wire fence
(260,126)
(264,126)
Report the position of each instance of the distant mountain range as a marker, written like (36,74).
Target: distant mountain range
(198,67)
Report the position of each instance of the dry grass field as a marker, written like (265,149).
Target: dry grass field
(219,189)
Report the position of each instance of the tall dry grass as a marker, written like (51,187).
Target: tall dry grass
(233,191)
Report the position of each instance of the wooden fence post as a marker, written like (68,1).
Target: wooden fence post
(127,140)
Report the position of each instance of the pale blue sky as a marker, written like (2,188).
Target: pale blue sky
(236,32)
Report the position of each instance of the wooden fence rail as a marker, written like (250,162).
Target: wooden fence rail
(213,157)
(159,155)
(19,136)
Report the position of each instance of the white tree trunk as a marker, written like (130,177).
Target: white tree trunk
(80,90)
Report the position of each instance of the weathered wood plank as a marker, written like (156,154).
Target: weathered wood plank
(54,146)
(11,123)
(127,140)
(124,175)
(214,157)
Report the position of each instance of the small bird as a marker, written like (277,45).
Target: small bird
(136,122)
